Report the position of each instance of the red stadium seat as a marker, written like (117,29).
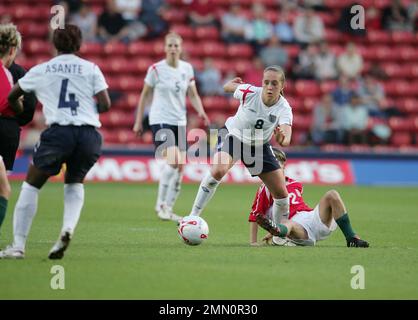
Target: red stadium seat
(401,124)
(307,88)
(302,122)
(402,37)
(183,30)
(207,33)
(401,139)
(143,48)
(214,49)
(215,102)
(378,37)
(115,48)
(175,15)
(91,48)
(35,47)
(241,51)
(309,104)
(222,65)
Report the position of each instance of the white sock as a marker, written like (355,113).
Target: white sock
(23,215)
(206,191)
(174,189)
(165,178)
(280,210)
(73,203)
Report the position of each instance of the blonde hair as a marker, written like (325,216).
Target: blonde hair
(9,38)
(279,70)
(172,34)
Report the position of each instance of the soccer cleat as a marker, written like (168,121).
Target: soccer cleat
(357,243)
(174,217)
(12,253)
(267,225)
(57,251)
(284,242)
(164,214)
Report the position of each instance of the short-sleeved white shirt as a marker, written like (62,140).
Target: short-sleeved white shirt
(255,122)
(66,85)
(170,89)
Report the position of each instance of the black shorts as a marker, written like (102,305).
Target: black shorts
(166,135)
(78,147)
(257,159)
(9,141)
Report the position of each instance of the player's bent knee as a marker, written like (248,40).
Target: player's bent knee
(333,196)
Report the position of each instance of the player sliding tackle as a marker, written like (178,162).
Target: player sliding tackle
(306,225)
(246,135)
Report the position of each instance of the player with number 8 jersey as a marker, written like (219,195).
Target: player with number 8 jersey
(67,87)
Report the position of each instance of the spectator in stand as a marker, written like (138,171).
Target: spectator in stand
(283,28)
(355,122)
(202,13)
(315,4)
(327,122)
(288,4)
(130,10)
(259,30)
(343,92)
(305,63)
(233,25)
(395,17)
(152,16)
(325,63)
(86,20)
(72,6)
(111,25)
(413,15)
(373,97)
(308,27)
(377,72)
(374,21)
(274,53)
(209,79)
(350,63)
(254,74)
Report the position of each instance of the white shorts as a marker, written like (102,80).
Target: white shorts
(311,222)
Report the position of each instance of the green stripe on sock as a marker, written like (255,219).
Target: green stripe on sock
(345,226)
(283,230)
(3,209)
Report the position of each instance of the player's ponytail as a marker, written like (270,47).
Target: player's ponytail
(9,38)
(279,70)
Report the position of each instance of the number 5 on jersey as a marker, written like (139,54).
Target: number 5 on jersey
(72,103)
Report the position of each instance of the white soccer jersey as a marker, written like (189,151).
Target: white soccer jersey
(66,85)
(170,88)
(253,114)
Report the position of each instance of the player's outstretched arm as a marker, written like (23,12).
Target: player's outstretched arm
(103,101)
(15,99)
(232,85)
(283,135)
(145,94)
(197,103)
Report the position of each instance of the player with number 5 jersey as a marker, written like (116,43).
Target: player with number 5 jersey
(67,86)
(263,111)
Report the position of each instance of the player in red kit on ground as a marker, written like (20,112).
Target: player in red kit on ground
(306,225)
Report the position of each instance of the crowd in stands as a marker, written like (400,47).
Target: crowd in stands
(311,39)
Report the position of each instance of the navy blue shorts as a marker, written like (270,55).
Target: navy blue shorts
(78,147)
(257,159)
(166,135)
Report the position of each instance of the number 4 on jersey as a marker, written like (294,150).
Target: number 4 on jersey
(72,103)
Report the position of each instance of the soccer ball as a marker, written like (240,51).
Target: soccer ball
(193,230)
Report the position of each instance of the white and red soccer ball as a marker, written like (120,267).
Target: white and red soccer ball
(193,230)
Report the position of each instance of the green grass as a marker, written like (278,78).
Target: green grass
(122,251)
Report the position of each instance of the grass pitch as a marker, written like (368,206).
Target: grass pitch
(122,251)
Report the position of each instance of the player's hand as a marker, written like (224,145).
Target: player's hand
(237,80)
(205,119)
(138,129)
(268,238)
(278,132)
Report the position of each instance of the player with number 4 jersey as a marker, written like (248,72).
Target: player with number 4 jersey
(67,86)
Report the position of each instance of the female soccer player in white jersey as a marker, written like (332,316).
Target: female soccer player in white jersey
(262,112)
(168,82)
(66,86)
